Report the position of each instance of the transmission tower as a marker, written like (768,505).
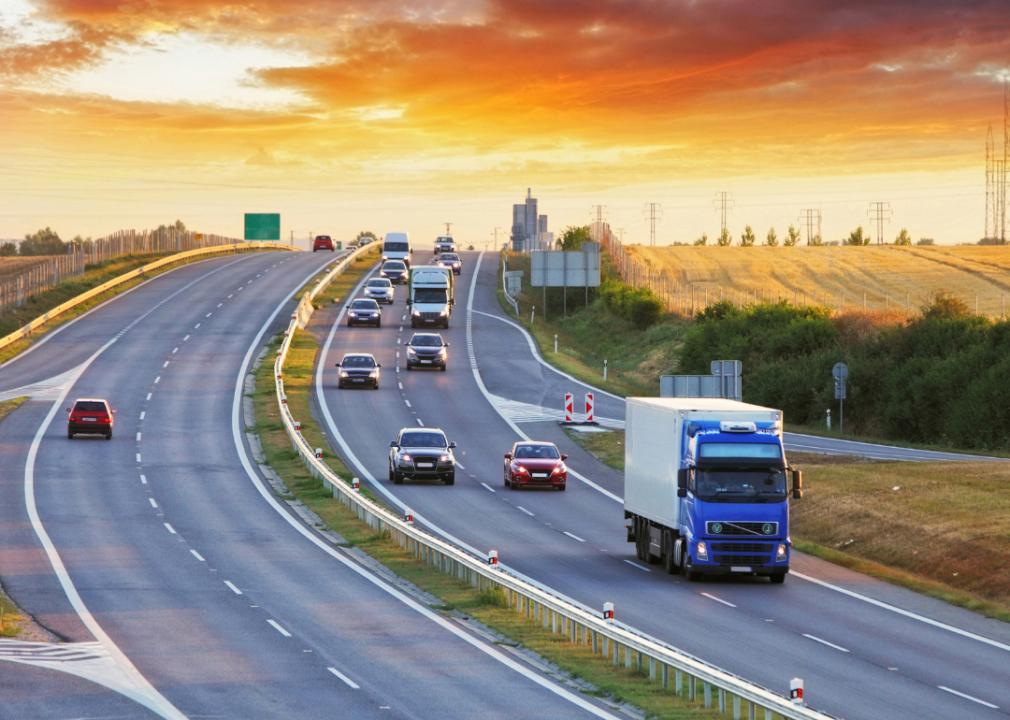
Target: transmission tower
(809,217)
(990,191)
(880,211)
(1001,175)
(724,202)
(596,215)
(447,226)
(653,211)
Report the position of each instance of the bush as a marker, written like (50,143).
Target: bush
(639,305)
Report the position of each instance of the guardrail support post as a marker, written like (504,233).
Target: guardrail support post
(627,657)
(722,702)
(768,714)
(736,707)
(692,689)
(708,694)
(554,622)
(596,642)
(617,654)
(665,675)
(652,670)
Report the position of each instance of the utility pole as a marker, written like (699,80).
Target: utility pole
(1002,172)
(653,211)
(808,217)
(292,238)
(724,201)
(495,233)
(990,191)
(447,226)
(621,230)
(879,210)
(596,221)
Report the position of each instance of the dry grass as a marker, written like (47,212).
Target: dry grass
(823,274)
(945,531)
(11,267)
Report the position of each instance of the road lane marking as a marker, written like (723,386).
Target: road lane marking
(231,585)
(197,326)
(142,413)
(638,566)
(175,351)
(138,458)
(165,365)
(906,613)
(528,512)
(720,600)
(353,685)
(400,384)
(143,479)
(157,380)
(459,464)
(968,697)
(149,396)
(407,401)
(170,529)
(138,436)
(419,422)
(209,314)
(817,639)
(153,503)
(231,296)
(197,555)
(491,489)
(220,304)
(278,628)
(574,537)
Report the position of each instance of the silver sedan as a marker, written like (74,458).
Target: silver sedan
(380,290)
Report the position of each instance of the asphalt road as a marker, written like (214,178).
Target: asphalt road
(176,562)
(864,648)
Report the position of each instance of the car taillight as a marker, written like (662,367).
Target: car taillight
(106,419)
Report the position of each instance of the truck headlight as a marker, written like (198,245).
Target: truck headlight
(415,311)
(780,554)
(702,551)
(445,311)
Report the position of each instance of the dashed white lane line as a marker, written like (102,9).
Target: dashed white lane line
(350,683)
(231,585)
(198,556)
(138,458)
(175,351)
(220,304)
(170,529)
(257,276)
(231,296)
(149,396)
(459,464)
(138,437)
(724,602)
(968,697)
(241,288)
(153,503)
(419,422)
(823,642)
(157,380)
(398,353)
(197,326)
(573,537)
(407,401)
(400,384)
(489,488)
(529,513)
(640,567)
(208,315)
(143,479)
(185,338)
(142,413)
(165,365)
(397,341)
(278,628)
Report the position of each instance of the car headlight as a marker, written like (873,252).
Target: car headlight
(780,555)
(702,550)
(442,353)
(445,311)
(521,469)
(405,457)
(444,459)
(415,311)
(373,374)
(411,351)
(352,314)
(343,373)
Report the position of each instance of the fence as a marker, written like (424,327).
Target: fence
(611,640)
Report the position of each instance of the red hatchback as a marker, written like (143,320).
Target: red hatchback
(323,242)
(90,416)
(535,463)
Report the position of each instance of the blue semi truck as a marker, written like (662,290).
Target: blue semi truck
(707,487)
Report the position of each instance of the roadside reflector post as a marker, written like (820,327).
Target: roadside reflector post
(408,515)
(319,453)
(589,408)
(796,691)
(298,425)
(568,407)
(555,343)
(829,418)
(284,399)
(492,558)
(604,371)
(608,611)
(355,483)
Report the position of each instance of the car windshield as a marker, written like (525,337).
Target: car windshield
(358,361)
(396,266)
(89,406)
(429,295)
(364,305)
(396,247)
(426,341)
(450,257)
(379,283)
(423,439)
(537,452)
(740,486)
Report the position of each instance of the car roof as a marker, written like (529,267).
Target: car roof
(421,430)
(541,443)
(91,400)
(438,335)
(351,355)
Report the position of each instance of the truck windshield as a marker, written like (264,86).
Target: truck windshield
(392,246)
(740,486)
(429,295)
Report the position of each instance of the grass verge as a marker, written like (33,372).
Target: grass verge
(490,608)
(607,447)
(835,435)
(12,620)
(95,274)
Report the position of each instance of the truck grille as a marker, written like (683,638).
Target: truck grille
(742,559)
(742,528)
(741,547)
(430,316)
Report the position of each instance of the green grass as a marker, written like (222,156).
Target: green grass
(11,618)
(822,431)
(607,447)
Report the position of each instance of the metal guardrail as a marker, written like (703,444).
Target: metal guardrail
(28,329)
(505,288)
(607,637)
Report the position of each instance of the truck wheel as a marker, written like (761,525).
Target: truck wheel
(691,575)
(639,542)
(668,558)
(778,578)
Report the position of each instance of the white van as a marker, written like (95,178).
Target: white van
(396,247)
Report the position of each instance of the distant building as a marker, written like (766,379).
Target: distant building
(529,230)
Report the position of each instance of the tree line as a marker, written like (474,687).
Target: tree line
(47,242)
(793,237)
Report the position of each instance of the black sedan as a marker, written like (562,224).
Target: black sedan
(364,312)
(427,350)
(395,271)
(358,370)
(421,454)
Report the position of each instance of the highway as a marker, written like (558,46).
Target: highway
(864,648)
(182,587)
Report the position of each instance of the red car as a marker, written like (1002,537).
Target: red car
(323,242)
(90,416)
(535,463)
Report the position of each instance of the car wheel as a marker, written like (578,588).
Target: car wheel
(507,483)
(390,473)
(70,435)
(397,478)
(108,435)
(443,368)
(450,479)
(375,387)
(409,368)
(313,249)
(340,386)
(778,578)
(378,324)
(561,488)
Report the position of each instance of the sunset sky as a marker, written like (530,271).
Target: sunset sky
(379,115)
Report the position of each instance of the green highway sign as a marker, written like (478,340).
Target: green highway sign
(262,226)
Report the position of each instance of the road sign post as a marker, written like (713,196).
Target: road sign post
(840,372)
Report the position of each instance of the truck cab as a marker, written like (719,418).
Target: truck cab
(714,498)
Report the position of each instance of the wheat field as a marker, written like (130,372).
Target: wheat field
(11,267)
(889,275)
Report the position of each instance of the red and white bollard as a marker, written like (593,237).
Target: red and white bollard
(408,515)
(492,558)
(319,453)
(355,483)
(796,691)
(589,407)
(608,611)
(568,407)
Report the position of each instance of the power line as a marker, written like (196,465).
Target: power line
(880,210)
(653,211)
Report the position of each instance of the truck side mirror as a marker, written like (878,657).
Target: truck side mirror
(797,484)
(682,475)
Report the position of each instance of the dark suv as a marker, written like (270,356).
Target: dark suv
(323,242)
(427,350)
(358,369)
(395,271)
(420,454)
(364,312)
(90,416)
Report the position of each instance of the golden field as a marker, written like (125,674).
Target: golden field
(887,274)
(11,267)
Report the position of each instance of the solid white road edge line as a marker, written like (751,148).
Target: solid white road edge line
(278,628)
(573,537)
(640,567)
(237,434)
(141,690)
(197,555)
(353,685)
(968,697)
(815,639)
(231,586)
